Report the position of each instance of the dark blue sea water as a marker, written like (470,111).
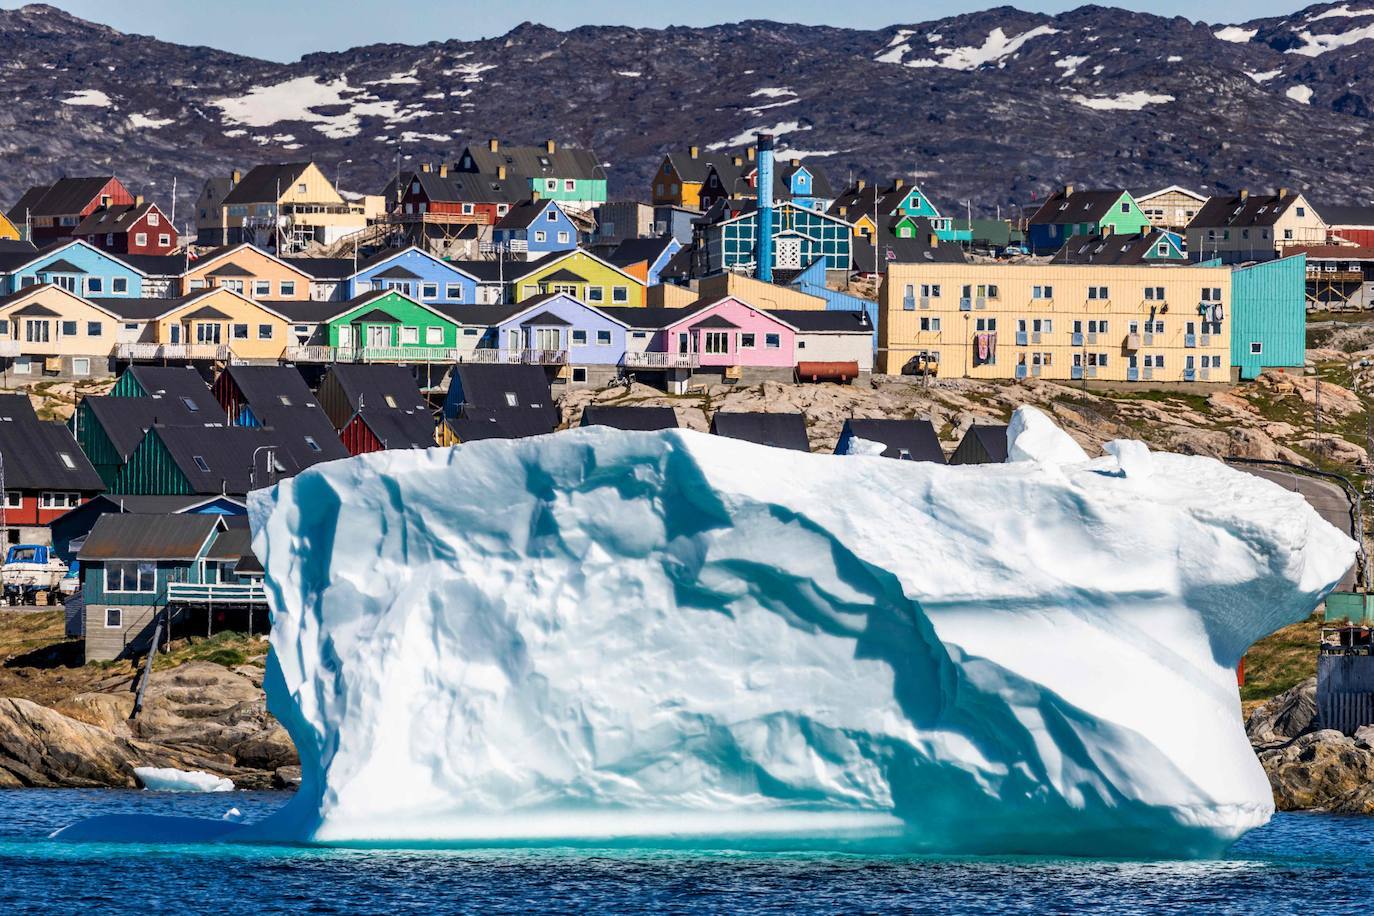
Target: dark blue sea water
(1300,863)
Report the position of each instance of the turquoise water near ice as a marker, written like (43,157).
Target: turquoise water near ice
(1308,863)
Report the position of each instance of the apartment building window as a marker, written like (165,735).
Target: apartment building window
(986,324)
(930,323)
(1042,325)
(1098,292)
(909,300)
(1154,294)
(1211,294)
(288,288)
(1042,292)
(930,290)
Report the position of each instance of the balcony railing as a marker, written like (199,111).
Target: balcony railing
(510,246)
(1020,371)
(518,357)
(136,351)
(1077,339)
(9,348)
(651,360)
(226,592)
(965,305)
(313,354)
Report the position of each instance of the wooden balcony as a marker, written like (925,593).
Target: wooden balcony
(652,360)
(152,351)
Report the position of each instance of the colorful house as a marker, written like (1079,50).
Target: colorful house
(1151,246)
(573,177)
(1268,316)
(558,329)
(276,398)
(861,201)
(77,266)
(415,274)
(284,206)
(46,473)
(52,212)
(248,271)
(199,325)
(138,228)
(729,333)
(350,387)
(800,236)
(8,231)
(645,258)
(1254,227)
(535,228)
(440,195)
(682,174)
(46,330)
(579,274)
(390,326)
(206,461)
(1069,212)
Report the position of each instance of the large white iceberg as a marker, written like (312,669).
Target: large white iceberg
(670,637)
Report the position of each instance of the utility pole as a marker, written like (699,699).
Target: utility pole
(1317,409)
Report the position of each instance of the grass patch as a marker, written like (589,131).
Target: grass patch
(1282,660)
(228,648)
(22,632)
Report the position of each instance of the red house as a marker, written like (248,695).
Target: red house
(459,196)
(54,211)
(139,228)
(373,429)
(44,472)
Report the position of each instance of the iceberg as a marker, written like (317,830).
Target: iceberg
(170,779)
(618,637)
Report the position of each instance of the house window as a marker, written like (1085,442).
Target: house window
(1288,233)
(262,288)
(190,284)
(1300,211)
(69,329)
(264,332)
(512,400)
(130,576)
(58,500)
(717,342)
(240,332)
(35,331)
(114,618)
(140,238)
(235,286)
(579,337)
(14,499)
(772,341)
(153,219)
(300,188)
(429,291)
(540,235)
(208,332)
(1125,208)
(931,323)
(746,341)
(288,288)
(595,294)
(434,337)
(311,444)
(552,215)
(454,291)
(563,237)
(603,338)
(620,294)
(579,373)
(1256,348)
(571,185)
(94,329)
(95,285)
(410,336)
(164,240)
(81,365)
(131,326)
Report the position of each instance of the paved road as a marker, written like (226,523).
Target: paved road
(1328,499)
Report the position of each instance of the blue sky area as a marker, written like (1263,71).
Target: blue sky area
(285,29)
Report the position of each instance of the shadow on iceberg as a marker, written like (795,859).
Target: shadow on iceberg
(671,639)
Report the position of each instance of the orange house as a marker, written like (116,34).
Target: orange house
(248,271)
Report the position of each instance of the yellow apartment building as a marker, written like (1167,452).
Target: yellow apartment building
(1062,322)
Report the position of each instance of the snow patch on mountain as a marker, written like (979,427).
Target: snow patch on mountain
(145,121)
(1317,45)
(1341,12)
(772,92)
(782,127)
(1124,101)
(1264,77)
(994,49)
(1236,34)
(1070,65)
(92,97)
(1300,93)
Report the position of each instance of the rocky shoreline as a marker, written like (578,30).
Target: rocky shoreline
(1310,767)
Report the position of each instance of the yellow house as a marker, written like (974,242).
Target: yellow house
(292,203)
(222,320)
(7,228)
(45,329)
(1064,322)
(582,275)
(246,270)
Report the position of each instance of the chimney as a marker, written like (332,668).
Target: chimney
(494,144)
(1068,190)
(796,163)
(1244,193)
(751,152)
(934,240)
(443,170)
(694,151)
(425,167)
(897,183)
(235,177)
(501,172)
(862,184)
(1283,192)
(844,211)
(764,257)
(534,197)
(550,147)
(138,200)
(737,160)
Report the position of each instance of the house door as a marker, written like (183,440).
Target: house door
(788,254)
(378,335)
(514,340)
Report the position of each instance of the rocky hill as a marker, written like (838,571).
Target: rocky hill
(995,107)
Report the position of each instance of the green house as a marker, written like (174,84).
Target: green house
(1068,212)
(390,326)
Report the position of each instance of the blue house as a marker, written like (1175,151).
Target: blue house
(804,186)
(416,274)
(77,267)
(557,323)
(534,229)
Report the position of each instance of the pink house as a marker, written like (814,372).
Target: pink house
(730,333)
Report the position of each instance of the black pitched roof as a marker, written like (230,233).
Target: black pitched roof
(563,275)
(377,316)
(128,536)
(487,387)
(645,317)
(39,455)
(1242,211)
(510,423)
(915,250)
(38,309)
(115,219)
(230,270)
(305,311)
(372,384)
(479,315)
(177,382)
(63,197)
(1110,249)
(1347,215)
(780,430)
(264,183)
(400,428)
(126,420)
(137,309)
(153,265)
(714,321)
(912,440)
(546,319)
(323,268)
(982,444)
(534,161)
(1065,206)
(645,419)
(228,452)
(520,217)
(61,266)
(280,399)
(633,251)
(398,273)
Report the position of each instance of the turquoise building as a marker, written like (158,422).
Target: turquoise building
(1269,316)
(800,236)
